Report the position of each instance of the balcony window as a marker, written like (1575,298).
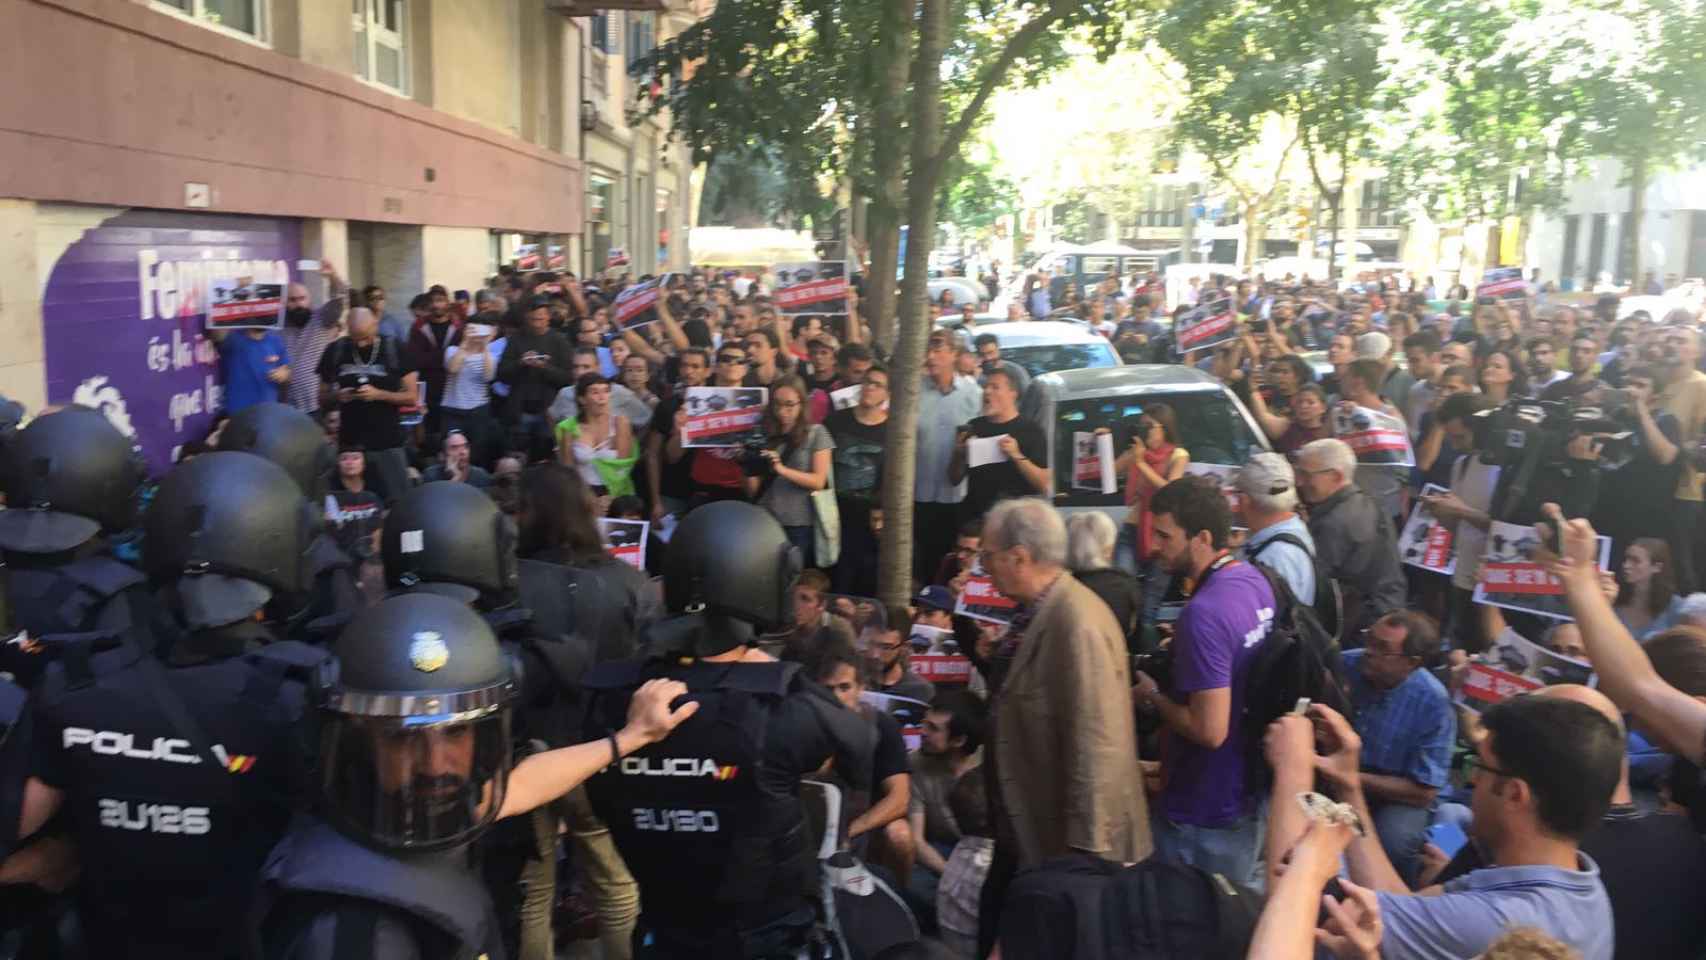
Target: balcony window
(381,43)
(245,19)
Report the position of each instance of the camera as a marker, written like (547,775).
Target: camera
(753,462)
(1159,666)
(1543,429)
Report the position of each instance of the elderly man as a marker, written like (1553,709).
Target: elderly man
(369,378)
(1062,759)
(946,403)
(1354,541)
(1279,539)
(307,332)
(1408,727)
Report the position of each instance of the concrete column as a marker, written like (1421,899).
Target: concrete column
(458,257)
(23,364)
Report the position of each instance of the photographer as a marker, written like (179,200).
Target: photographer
(1637,485)
(1543,458)
(792,463)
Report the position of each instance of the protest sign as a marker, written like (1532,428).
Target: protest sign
(940,668)
(928,639)
(1426,542)
(617,257)
(981,451)
(636,305)
(239,303)
(817,286)
(980,600)
(1206,325)
(1515,665)
(1509,579)
(627,540)
(1502,283)
(847,397)
(909,713)
(1379,438)
(723,416)
(1093,461)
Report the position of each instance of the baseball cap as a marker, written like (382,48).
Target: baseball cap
(1265,474)
(935,597)
(1373,346)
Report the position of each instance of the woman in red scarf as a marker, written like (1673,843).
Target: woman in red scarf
(1154,460)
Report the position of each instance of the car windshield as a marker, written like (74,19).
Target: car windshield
(1049,357)
(1210,427)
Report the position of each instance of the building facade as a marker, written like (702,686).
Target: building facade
(155,147)
(1589,239)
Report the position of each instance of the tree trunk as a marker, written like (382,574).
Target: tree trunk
(1637,212)
(894,569)
(1337,199)
(887,160)
(1252,235)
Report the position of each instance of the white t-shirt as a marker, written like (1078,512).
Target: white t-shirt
(1474,483)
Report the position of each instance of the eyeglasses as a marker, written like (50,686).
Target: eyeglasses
(731,360)
(1476,765)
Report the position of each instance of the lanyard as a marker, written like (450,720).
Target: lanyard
(1225,558)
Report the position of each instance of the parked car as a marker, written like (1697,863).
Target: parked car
(1213,424)
(1047,346)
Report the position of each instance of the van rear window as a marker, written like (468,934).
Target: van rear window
(1210,427)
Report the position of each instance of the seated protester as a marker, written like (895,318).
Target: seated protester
(354,512)
(960,891)
(1022,472)
(883,813)
(886,646)
(1408,727)
(1543,778)
(1652,862)
(814,625)
(952,745)
(454,464)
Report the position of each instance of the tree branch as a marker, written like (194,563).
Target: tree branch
(993,76)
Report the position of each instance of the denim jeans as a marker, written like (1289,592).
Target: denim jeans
(1234,851)
(1402,830)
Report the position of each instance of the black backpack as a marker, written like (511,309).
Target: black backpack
(1329,605)
(1082,907)
(1298,658)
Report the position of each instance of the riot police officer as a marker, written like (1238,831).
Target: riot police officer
(71,482)
(415,764)
(291,439)
(710,821)
(174,773)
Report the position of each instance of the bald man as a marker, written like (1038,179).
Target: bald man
(1652,863)
(369,378)
(307,332)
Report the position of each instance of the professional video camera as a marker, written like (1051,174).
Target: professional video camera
(1539,432)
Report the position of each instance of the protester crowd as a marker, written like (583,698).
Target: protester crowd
(1111,713)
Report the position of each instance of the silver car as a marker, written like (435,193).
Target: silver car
(1047,346)
(1213,425)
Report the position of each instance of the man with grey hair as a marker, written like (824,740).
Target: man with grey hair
(1692,611)
(1279,539)
(1354,540)
(369,378)
(1090,539)
(1062,748)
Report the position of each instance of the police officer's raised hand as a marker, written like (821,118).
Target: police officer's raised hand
(650,716)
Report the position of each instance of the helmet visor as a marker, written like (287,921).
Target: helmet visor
(415,783)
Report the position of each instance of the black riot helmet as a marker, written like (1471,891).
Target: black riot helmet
(68,476)
(730,567)
(287,437)
(415,725)
(452,539)
(227,532)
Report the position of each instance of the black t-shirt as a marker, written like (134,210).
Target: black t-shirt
(382,364)
(1636,499)
(858,455)
(890,758)
(994,482)
(354,515)
(674,479)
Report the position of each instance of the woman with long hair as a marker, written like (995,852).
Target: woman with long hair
(595,436)
(1153,460)
(1304,423)
(1647,601)
(1503,376)
(798,454)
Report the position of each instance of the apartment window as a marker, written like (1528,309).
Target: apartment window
(242,18)
(604,31)
(1376,208)
(381,45)
(642,36)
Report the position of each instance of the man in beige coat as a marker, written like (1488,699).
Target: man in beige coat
(1062,755)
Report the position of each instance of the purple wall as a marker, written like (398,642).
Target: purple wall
(122,318)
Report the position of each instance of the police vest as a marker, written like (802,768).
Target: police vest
(94,593)
(171,832)
(436,891)
(711,843)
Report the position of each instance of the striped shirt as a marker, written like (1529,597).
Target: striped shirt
(304,345)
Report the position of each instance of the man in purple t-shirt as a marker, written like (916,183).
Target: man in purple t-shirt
(1207,816)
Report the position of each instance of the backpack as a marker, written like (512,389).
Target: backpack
(1298,658)
(1082,907)
(1329,605)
